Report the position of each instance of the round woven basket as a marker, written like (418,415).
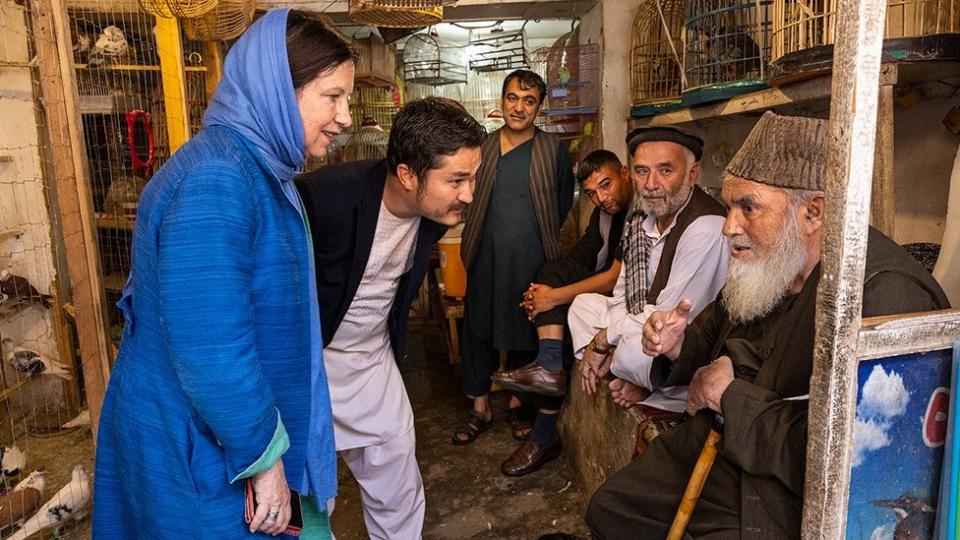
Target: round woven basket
(186,8)
(397,13)
(226,21)
(157,8)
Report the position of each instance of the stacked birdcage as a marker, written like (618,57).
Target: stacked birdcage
(726,48)
(500,51)
(803,33)
(426,62)
(482,93)
(376,103)
(572,74)
(656,62)
(369,141)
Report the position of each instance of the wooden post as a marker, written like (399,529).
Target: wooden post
(51,38)
(883,199)
(850,151)
(170,49)
(213,61)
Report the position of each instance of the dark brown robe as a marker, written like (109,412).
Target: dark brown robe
(755,489)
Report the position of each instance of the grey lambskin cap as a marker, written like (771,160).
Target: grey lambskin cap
(784,151)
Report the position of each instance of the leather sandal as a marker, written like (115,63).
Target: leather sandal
(475,425)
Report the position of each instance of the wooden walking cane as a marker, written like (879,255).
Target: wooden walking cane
(697,479)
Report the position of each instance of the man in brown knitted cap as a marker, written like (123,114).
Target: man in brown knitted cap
(748,356)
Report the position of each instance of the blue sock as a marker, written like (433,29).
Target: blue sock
(550,355)
(544,429)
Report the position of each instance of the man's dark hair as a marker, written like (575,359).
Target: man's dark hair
(527,80)
(594,161)
(427,129)
(314,47)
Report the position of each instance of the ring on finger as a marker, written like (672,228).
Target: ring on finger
(272,514)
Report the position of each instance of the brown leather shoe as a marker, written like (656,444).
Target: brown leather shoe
(529,457)
(533,378)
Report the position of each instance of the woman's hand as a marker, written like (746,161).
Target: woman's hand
(273,500)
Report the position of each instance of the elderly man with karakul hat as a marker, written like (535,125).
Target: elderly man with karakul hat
(748,355)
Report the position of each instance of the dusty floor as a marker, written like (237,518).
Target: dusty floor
(467,495)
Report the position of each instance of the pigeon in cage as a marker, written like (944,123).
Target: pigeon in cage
(21,501)
(17,289)
(30,361)
(82,419)
(12,460)
(68,504)
(110,46)
(728,55)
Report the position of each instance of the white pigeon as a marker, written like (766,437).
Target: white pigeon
(82,419)
(27,360)
(36,480)
(12,460)
(111,44)
(69,503)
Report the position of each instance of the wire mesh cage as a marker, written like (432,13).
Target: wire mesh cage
(426,62)
(572,74)
(481,95)
(374,103)
(498,51)
(397,13)
(656,64)
(224,22)
(803,30)
(726,48)
(369,141)
(412,91)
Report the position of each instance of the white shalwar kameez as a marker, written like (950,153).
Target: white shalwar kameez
(373,420)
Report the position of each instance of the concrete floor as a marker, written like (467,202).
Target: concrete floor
(467,495)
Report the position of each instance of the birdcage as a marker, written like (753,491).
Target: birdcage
(398,13)
(375,103)
(498,51)
(482,93)
(226,21)
(726,48)
(803,33)
(369,141)
(656,64)
(572,74)
(426,62)
(178,8)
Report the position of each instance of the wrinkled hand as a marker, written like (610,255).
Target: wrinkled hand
(708,385)
(537,299)
(663,331)
(271,491)
(593,367)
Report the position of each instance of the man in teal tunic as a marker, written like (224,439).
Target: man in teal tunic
(524,191)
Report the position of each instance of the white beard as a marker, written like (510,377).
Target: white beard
(670,205)
(754,288)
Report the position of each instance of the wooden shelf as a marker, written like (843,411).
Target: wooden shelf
(115,222)
(375,80)
(810,90)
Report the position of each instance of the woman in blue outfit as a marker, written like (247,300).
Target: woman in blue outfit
(219,376)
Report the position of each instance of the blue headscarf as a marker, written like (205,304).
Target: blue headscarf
(256,96)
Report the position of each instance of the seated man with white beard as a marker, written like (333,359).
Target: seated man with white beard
(749,355)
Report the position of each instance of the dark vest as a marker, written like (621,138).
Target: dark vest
(701,204)
(543,190)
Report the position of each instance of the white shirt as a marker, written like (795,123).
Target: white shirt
(370,403)
(698,272)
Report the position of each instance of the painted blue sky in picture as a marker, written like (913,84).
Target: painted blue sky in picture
(898,445)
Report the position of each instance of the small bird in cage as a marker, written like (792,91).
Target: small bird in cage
(110,46)
(730,55)
(12,460)
(21,501)
(14,288)
(30,361)
(82,419)
(666,76)
(68,504)
(81,44)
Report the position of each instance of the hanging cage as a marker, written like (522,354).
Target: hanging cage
(426,62)
(656,65)
(803,34)
(572,74)
(178,8)
(397,13)
(726,48)
(369,141)
(499,51)
(226,21)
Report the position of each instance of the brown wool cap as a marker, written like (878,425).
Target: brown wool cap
(665,133)
(784,151)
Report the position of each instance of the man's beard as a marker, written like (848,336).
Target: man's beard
(754,288)
(670,204)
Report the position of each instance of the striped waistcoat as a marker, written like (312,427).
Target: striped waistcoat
(543,189)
